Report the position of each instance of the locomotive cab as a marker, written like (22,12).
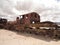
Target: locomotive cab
(3,22)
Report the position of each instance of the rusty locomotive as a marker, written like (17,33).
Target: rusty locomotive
(30,23)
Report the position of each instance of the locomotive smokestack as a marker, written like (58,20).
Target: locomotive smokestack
(18,20)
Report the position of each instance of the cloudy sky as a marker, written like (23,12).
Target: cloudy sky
(49,10)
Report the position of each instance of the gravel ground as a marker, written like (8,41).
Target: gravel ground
(13,38)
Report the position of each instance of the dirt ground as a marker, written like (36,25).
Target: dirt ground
(13,38)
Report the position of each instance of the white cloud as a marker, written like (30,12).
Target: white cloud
(48,9)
